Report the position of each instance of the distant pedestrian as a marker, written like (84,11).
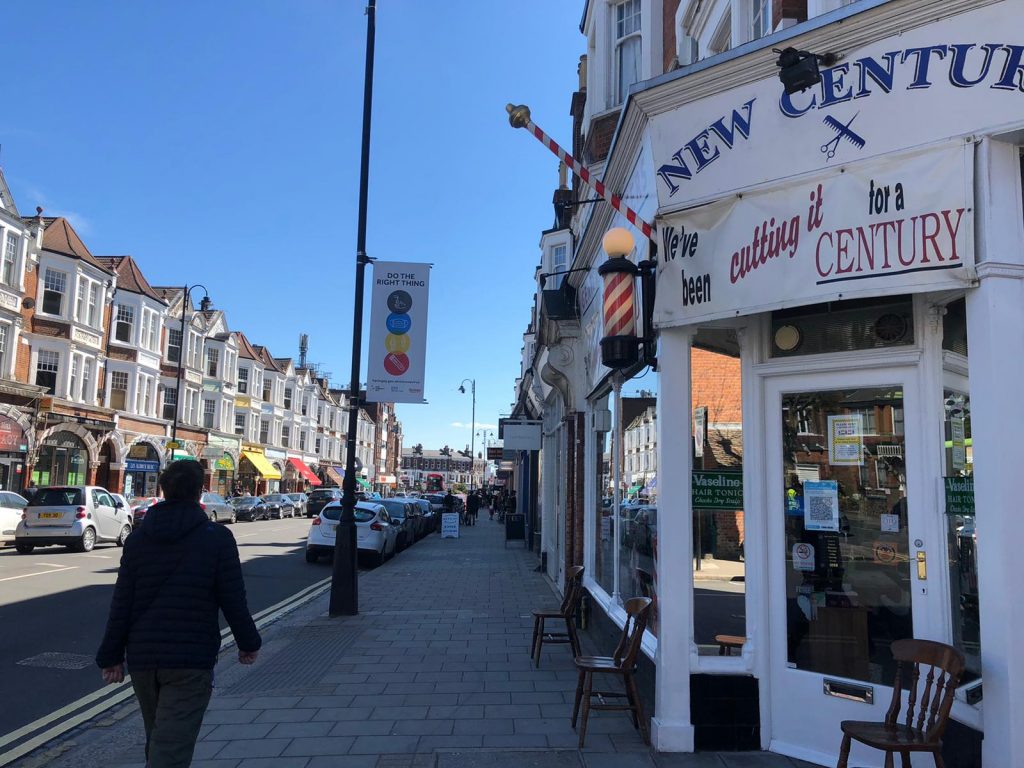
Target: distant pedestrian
(176,573)
(472,507)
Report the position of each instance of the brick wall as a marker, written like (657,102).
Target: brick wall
(788,9)
(668,33)
(716,384)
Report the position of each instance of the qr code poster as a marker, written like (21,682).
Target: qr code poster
(821,505)
(846,440)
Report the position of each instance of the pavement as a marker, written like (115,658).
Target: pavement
(433,673)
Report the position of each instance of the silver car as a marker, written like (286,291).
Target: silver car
(299,499)
(73,516)
(217,508)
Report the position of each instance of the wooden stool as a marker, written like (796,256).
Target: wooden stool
(727,642)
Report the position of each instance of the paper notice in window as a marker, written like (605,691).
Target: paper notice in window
(890,523)
(846,440)
(956,428)
(821,505)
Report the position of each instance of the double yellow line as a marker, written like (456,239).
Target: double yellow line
(107,697)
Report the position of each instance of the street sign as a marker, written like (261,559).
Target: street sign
(494,453)
(172,445)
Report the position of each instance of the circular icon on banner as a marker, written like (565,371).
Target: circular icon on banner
(397,343)
(398,323)
(396,363)
(400,302)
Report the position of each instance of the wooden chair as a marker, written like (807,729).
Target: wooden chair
(623,663)
(566,612)
(946,665)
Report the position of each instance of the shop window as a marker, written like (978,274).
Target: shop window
(209,407)
(958,482)
(954,327)
(173,345)
(243,381)
(54,288)
(47,365)
(604,558)
(63,460)
(627,47)
(212,361)
(843,326)
(8,274)
(124,323)
(170,403)
(118,390)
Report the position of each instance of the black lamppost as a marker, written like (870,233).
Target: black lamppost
(344,578)
(472,428)
(204,305)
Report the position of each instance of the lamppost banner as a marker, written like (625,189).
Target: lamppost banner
(398,332)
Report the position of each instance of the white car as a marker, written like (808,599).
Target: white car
(11,507)
(76,516)
(374,531)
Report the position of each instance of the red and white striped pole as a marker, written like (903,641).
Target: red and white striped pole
(519,117)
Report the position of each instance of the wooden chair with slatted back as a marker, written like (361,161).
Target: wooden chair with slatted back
(622,663)
(945,666)
(566,612)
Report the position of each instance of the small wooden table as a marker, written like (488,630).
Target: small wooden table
(727,642)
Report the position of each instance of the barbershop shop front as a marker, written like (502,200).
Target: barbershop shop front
(859,248)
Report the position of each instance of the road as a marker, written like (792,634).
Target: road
(55,602)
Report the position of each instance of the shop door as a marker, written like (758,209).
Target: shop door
(843,578)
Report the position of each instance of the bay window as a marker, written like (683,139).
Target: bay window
(124,323)
(209,406)
(627,47)
(243,381)
(212,360)
(118,390)
(47,365)
(170,403)
(173,345)
(8,272)
(54,287)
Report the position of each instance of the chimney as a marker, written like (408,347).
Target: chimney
(581,70)
(562,199)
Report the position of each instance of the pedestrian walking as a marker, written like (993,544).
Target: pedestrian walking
(176,573)
(472,507)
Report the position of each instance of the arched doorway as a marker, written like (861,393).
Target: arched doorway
(63,460)
(103,473)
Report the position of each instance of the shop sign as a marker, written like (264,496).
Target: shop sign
(139,465)
(398,332)
(243,402)
(84,337)
(495,453)
(211,452)
(225,463)
(12,437)
(959,495)
(885,227)
(920,86)
(717,489)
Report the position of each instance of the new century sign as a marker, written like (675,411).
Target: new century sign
(959,76)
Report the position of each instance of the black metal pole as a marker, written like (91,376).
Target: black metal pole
(345,577)
(181,354)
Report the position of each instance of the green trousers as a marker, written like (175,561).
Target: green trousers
(173,702)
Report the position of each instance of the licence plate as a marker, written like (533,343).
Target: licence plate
(50,515)
(330,529)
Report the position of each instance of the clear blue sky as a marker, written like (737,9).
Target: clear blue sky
(218,142)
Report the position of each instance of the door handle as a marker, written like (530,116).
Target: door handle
(922,565)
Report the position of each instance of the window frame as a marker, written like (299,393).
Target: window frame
(115,376)
(127,321)
(621,38)
(174,405)
(171,345)
(59,277)
(9,268)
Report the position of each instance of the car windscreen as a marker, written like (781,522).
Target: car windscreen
(321,495)
(245,501)
(334,513)
(274,498)
(56,497)
(295,496)
(395,508)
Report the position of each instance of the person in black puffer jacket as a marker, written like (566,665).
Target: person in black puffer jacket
(177,571)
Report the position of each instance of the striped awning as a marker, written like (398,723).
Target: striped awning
(335,475)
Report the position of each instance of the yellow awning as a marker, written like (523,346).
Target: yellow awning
(264,467)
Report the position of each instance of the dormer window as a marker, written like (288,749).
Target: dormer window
(627,46)
(124,324)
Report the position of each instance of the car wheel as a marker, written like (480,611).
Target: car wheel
(213,517)
(311,557)
(122,537)
(24,549)
(379,559)
(234,518)
(87,542)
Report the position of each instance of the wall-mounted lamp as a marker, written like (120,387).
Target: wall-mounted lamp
(620,347)
(798,70)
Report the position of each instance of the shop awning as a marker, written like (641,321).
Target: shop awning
(182,456)
(264,467)
(305,471)
(363,483)
(335,476)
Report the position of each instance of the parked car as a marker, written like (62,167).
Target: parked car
(404,519)
(140,506)
(431,519)
(11,507)
(299,500)
(374,532)
(319,498)
(73,516)
(124,502)
(217,508)
(279,505)
(250,508)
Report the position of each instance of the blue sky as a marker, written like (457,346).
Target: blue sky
(218,142)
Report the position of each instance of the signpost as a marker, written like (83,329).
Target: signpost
(450,525)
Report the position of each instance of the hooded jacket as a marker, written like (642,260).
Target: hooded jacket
(177,570)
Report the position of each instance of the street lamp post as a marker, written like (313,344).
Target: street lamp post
(344,578)
(472,428)
(186,297)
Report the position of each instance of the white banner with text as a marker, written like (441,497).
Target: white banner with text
(903,224)
(398,332)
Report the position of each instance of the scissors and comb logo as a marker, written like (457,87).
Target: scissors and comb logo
(843,132)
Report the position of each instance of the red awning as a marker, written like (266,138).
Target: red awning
(305,471)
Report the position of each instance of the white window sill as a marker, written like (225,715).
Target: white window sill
(615,612)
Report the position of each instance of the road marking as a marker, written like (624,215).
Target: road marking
(53,565)
(120,693)
(41,573)
(102,557)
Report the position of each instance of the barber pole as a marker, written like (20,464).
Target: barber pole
(519,117)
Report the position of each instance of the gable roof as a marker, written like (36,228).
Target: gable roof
(266,358)
(129,276)
(6,198)
(60,237)
(245,348)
